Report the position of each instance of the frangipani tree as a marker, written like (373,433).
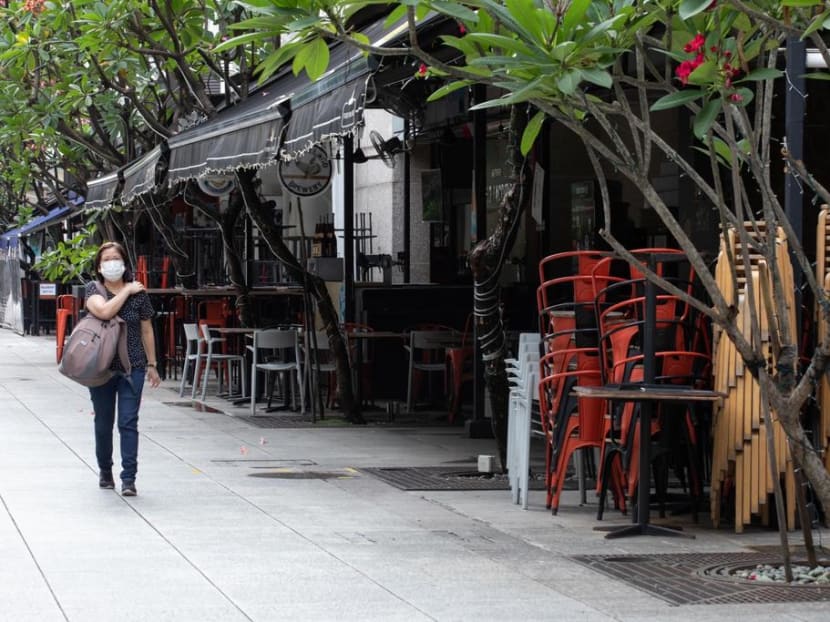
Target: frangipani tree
(87,87)
(602,69)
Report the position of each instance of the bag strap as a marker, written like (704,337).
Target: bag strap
(123,351)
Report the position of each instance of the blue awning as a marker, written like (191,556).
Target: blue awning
(9,238)
(43,221)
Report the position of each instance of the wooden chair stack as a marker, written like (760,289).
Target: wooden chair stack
(823,278)
(739,453)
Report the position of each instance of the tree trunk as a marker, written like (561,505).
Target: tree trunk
(486,261)
(174,243)
(261,217)
(804,454)
(227,222)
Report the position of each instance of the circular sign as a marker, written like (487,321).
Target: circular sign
(308,175)
(216,185)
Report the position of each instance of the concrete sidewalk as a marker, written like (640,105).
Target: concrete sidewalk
(205,540)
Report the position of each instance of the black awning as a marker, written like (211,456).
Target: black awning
(140,176)
(101,191)
(338,113)
(333,105)
(245,135)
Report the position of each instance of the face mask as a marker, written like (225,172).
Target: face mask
(112,270)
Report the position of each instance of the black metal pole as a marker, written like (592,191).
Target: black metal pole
(348,229)
(480,198)
(407,207)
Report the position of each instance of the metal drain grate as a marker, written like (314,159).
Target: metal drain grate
(688,579)
(443,478)
(292,420)
(303,475)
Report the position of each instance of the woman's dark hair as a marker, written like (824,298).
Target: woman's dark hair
(128,274)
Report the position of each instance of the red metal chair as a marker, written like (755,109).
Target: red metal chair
(165,272)
(142,272)
(459,368)
(569,423)
(67,309)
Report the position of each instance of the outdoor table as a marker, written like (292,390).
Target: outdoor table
(369,335)
(646,395)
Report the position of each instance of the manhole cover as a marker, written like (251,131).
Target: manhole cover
(304,474)
(683,579)
(254,463)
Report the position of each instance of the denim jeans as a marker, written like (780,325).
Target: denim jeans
(104,400)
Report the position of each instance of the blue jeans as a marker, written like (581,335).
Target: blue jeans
(129,400)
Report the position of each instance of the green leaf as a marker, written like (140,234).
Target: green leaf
(819,75)
(707,116)
(598,77)
(313,57)
(690,8)
(704,74)
(747,96)
(801,3)
(532,132)
(816,24)
(678,98)
(499,42)
(448,88)
(764,73)
(456,10)
(574,17)
(568,82)
(722,150)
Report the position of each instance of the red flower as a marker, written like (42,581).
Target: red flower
(683,71)
(422,70)
(711,6)
(687,67)
(462,29)
(695,44)
(736,97)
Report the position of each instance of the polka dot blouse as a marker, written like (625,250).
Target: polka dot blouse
(136,308)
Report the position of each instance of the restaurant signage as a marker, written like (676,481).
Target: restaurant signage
(308,174)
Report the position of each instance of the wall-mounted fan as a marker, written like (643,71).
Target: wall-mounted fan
(386,149)
(216,185)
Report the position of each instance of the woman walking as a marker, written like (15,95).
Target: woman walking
(127,299)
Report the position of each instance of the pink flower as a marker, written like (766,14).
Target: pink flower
(736,98)
(695,44)
(422,70)
(462,29)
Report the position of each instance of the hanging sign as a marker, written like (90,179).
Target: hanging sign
(307,175)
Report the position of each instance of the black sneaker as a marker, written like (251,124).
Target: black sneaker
(105,480)
(128,489)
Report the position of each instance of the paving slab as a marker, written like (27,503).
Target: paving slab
(238,522)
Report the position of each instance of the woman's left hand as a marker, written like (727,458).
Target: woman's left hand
(153,377)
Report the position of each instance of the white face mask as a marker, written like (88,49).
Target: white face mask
(112,270)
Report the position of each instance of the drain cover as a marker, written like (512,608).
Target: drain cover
(197,406)
(443,478)
(294,474)
(691,579)
(293,420)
